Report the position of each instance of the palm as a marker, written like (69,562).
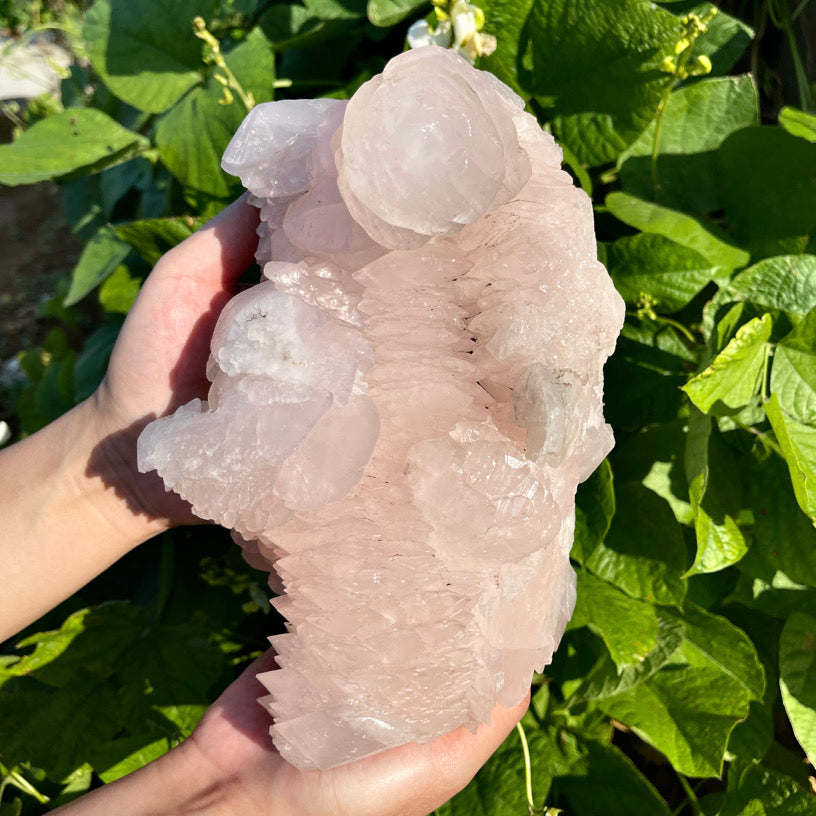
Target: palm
(233,740)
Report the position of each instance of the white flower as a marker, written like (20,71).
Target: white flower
(464,26)
(420,33)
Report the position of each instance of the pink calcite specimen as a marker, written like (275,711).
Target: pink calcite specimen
(401,411)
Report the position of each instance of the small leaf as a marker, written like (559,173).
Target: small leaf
(734,377)
(720,542)
(797,678)
(784,537)
(628,558)
(798,443)
(145,50)
(678,227)
(594,509)
(76,141)
(784,282)
(93,361)
(117,293)
(153,237)
(386,13)
(653,265)
(102,255)
(627,626)
(793,375)
(798,123)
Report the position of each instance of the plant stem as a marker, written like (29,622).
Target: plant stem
(661,109)
(782,19)
(528,772)
(21,783)
(691,798)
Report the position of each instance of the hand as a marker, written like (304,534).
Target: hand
(230,766)
(159,359)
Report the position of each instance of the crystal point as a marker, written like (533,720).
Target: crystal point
(401,411)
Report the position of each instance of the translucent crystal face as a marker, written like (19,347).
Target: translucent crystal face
(401,411)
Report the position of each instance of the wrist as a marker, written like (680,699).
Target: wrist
(172,785)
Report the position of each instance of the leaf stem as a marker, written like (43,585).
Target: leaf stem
(528,771)
(686,332)
(691,798)
(13,777)
(661,110)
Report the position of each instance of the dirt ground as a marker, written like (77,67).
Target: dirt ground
(37,250)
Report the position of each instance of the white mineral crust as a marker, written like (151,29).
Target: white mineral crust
(401,411)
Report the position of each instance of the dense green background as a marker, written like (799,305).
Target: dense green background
(686,682)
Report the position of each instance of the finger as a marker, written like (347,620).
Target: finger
(220,251)
(411,780)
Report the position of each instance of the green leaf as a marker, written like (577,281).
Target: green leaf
(386,13)
(734,377)
(785,282)
(109,678)
(594,509)
(793,375)
(688,711)
(596,70)
(798,123)
(712,640)
(507,21)
(798,443)
(644,376)
(768,182)
(720,542)
(605,680)
(656,266)
(628,557)
(654,457)
(678,227)
(145,50)
(751,738)
(193,134)
(627,626)
(761,792)
(117,293)
(74,142)
(685,713)
(797,678)
(102,255)
(696,121)
(606,775)
(92,363)
(336,9)
(153,237)
(784,537)
(498,788)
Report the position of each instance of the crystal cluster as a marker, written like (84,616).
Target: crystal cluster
(401,410)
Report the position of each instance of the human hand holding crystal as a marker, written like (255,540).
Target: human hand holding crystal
(160,357)
(230,766)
